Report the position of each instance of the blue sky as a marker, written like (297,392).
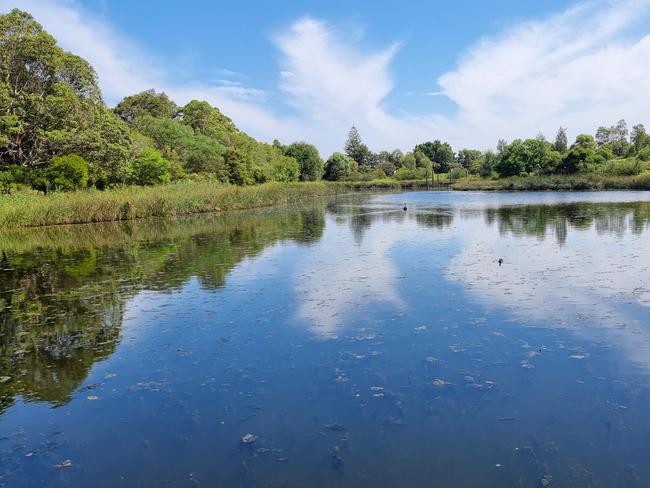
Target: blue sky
(465,71)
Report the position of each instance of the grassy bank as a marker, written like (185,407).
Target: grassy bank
(384,184)
(35,209)
(557,183)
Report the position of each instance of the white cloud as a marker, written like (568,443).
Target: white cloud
(587,66)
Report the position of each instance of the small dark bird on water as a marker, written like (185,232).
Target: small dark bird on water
(500,261)
(405,208)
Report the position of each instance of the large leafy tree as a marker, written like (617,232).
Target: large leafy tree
(147,102)
(311,165)
(339,167)
(46,93)
(440,153)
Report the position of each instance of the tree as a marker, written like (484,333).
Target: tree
(207,120)
(339,167)
(149,168)
(440,153)
(45,91)
(407,161)
(147,102)
(639,137)
(311,165)
(422,161)
(512,159)
(561,142)
(67,173)
(577,159)
(355,149)
(586,141)
(469,159)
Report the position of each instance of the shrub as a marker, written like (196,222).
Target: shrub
(285,169)
(66,173)
(149,168)
(644,154)
(622,167)
(339,167)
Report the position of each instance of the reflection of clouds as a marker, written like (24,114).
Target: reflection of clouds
(335,280)
(594,278)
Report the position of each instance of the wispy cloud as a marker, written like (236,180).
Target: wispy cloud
(580,68)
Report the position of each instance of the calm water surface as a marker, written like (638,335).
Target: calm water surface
(346,343)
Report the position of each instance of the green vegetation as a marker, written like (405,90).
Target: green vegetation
(556,182)
(64,288)
(57,135)
(181,198)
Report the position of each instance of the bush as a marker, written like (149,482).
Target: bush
(339,167)
(644,154)
(149,168)
(285,169)
(66,173)
(457,173)
(623,167)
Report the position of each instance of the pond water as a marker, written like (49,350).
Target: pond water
(347,343)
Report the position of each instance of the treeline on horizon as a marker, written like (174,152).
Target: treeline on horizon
(57,134)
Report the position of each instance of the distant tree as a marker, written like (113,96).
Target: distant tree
(207,120)
(512,159)
(150,168)
(487,163)
(577,159)
(408,161)
(585,141)
(147,102)
(395,157)
(387,167)
(311,165)
(639,137)
(501,145)
(561,142)
(339,167)
(440,153)
(614,137)
(355,149)
(469,159)
(422,161)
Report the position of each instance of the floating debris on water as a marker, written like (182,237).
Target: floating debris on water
(249,439)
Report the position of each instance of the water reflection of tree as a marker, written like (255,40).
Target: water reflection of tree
(63,290)
(538,220)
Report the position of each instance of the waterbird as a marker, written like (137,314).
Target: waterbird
(405,208)
(500,261)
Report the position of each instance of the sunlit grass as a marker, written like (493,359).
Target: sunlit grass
(557,183)
(35,209)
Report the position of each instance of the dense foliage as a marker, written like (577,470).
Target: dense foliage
(52,117)
(56,134)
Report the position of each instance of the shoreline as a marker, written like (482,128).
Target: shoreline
(185,198)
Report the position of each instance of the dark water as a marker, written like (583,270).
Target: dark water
(357,344)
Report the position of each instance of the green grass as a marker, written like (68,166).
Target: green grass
(557,183)
(129,203)
(386,183)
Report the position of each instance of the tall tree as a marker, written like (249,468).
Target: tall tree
(147,102)
(311,165)
(440,153)
(45,92)
(561,141)
(355,149)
